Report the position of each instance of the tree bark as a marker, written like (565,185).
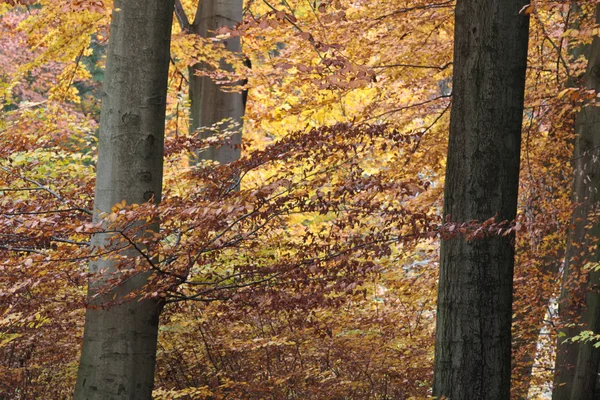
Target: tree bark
(529,323)
(575,51)
(473,339)
(577,364)
(209,104)
(119,344)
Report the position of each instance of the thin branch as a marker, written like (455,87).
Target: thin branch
(47,189)
(560,59)
(318,259)
(149,260)
(414,150)
(20,249)
(311,40)
(410,106)
(441,68)
(445,4)
(77,62)
(183,77)
(18,190)
(179,298)
(42,212)
(62,240)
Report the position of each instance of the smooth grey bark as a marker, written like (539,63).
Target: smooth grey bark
(119,344)
(208,103)
(577,364)
(473,336)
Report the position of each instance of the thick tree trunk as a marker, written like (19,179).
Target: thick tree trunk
(119,344)
(473,339)
(577,363)
(208,103)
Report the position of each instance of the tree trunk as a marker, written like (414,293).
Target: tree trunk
(525,374)
(119,344)
(473,339)
(529,323)
(577,363)
(210,104)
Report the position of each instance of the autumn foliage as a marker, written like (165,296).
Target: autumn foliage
(307,268)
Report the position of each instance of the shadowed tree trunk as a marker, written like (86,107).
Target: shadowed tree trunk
(577,363)
(209,104)
(528,323)
(473,337)
(527,350)
(525,345)
(119,344)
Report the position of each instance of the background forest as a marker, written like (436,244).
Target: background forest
(301,212)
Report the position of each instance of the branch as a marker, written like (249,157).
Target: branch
(421,7)
(182,18)
(19,189)
(441,68)
(410,106)
(12,214)
(20,249)
(47,189)
(62,240)
(149,260)
(561,59)
(414,150)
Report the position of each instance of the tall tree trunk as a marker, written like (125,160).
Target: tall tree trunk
(208,103)
(577,363)
(523,367)
(529,323)
(473,339)
(119,344)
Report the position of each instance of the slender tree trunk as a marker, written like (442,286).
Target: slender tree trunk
(529,323)
(210,104)
(569,306)
(473,339)
(577,364)
(119,344)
